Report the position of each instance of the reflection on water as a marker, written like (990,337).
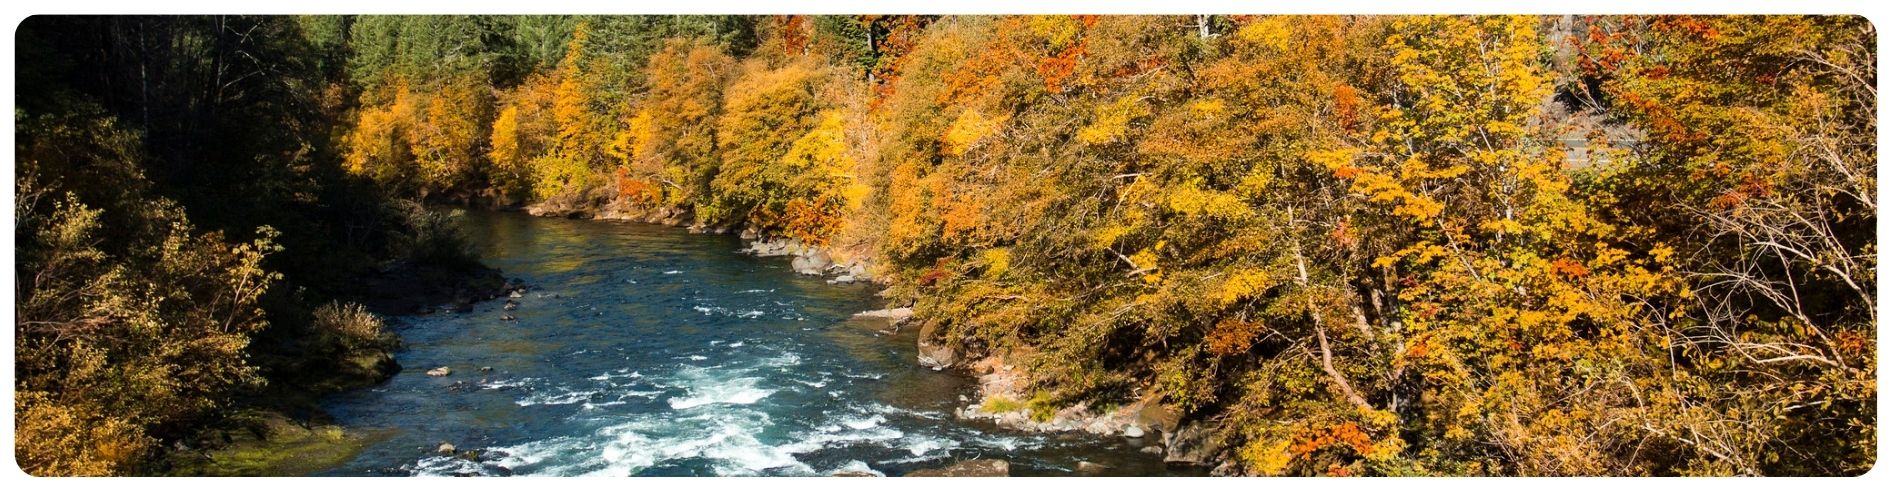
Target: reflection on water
(647,351)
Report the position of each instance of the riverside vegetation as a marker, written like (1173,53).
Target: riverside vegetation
(1330,245)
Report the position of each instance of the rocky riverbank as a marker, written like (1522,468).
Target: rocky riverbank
(1003,395)
(807,259)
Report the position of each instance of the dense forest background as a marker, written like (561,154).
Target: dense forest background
(1352,245)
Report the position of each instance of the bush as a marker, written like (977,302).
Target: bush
(351,324)
(432,237)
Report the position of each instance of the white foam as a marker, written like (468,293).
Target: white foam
(618,374)
(735,344)
(784,360)
(445,466)
(672,272)
(921,445)
(566,398)
(508,383)
(595,406)
(856,466)
(728,438)
(737,391)
(1008,443)
(869,422)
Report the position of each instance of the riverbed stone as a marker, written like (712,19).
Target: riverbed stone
(440,372)
(969,468)
(1089,468)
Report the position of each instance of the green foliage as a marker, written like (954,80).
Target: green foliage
(1000,404)
(122,343)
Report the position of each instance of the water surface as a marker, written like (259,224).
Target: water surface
(648,351)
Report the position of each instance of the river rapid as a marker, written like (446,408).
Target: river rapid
(644,350)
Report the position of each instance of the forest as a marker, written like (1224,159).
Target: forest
(1350,245)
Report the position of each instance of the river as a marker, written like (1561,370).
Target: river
(644,350)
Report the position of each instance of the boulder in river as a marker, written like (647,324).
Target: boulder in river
(508,317)
(440,372)
(445,448)
(812,263)
(1089,468)
(1190,445)
(1132,431)
(935,353)
(969,468)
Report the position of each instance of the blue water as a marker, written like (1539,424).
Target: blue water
(647,351)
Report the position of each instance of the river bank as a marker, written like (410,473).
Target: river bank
(1002,395)
(642,351)
(284,432)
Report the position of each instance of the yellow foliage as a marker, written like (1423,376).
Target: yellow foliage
(997,261)
(1112,120)
(968,129)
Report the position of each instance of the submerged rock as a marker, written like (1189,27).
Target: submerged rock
(895,315)
(1089,468)
(970,468)
(440,372)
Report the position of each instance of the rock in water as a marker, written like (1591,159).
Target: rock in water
(811,264)
(1089,468)
(852,473)
(1191,444)
(1132,431)
(1152,449)
(971,468)
(440,372)
(895,315)
(486,369)
(446,448)
(508,317)
(935,354)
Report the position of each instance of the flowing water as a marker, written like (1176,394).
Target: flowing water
(647,351)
